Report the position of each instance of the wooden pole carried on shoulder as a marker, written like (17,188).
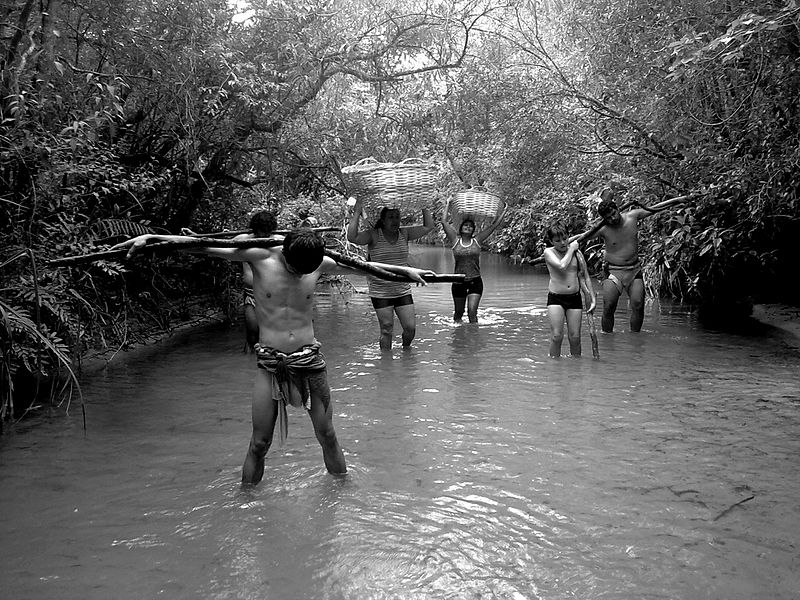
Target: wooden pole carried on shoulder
(357,263)
(200,242)
(227,234)
(598,225)
(167,246)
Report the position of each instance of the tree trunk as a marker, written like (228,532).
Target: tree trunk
(47,57)
(22,27)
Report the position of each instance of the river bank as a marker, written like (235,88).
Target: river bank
(780,316)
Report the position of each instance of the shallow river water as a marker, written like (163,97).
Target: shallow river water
(478,467)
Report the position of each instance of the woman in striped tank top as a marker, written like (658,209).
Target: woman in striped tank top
(466,245)
(387,243)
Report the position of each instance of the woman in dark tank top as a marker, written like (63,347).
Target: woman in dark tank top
(466,246)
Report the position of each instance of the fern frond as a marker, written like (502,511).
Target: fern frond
(113,228)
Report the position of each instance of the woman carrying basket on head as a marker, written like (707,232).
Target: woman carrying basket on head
(466,245)
(387,242)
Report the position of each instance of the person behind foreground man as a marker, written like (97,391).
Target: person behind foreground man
(466,246)
(568,275)
(262,224)
(387,242)
(291,368)
(620,236)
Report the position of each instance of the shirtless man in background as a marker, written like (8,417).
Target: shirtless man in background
(620,236)
(262,224)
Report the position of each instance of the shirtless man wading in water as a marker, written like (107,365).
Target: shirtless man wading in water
(291,368)
(620,236)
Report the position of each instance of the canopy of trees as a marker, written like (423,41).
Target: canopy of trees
(128,116)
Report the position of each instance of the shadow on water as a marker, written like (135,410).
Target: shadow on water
(478,466)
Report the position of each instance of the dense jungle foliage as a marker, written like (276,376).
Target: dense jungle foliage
(145,115)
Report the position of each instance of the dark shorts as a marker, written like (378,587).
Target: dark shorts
(567,301)
(387,302)
(462,289)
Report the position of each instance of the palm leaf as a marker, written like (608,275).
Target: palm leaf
(113,228)
(13,319)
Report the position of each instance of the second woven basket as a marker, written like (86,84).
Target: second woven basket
(477,202)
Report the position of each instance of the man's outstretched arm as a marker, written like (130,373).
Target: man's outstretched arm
(646,211)
(137,243)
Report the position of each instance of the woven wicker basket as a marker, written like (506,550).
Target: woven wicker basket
(409,185)
(477,202)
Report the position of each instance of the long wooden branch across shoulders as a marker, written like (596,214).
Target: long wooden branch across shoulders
(199,242)
(189,242)
(357,263)
(592,231)
(194,241)
(225,234)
